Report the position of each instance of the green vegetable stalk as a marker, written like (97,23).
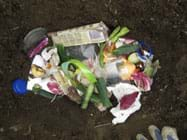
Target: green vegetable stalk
(101,56)
(86,72)
(95,99)
(102,45)
(126,49)
(121,33)
(114,36)
(116,30)
(151,68)
(87,96)
(83,68)
(41,92)
(61,52)
(101,87)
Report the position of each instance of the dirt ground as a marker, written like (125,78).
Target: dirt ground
(160,23)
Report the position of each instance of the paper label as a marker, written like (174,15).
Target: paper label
(94,33)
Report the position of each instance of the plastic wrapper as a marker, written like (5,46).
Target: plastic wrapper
(119,91)
(82,52)
(88,34)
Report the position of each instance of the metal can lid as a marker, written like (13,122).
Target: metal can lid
(19,86)
(34,37)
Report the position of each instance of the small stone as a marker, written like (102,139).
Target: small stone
(116,22)
(91,114)
(106,5)
(174,26)
(144,116)
(161,90)
(115,11)
(152,19)
(1,129)
(185,32)
(16,128)
(166,86)
(144,99)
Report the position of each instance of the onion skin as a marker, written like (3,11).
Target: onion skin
(127,100)
(142,81)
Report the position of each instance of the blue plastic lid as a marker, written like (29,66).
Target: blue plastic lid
(147,48)
(19,86)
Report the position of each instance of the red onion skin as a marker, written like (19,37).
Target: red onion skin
(127,100)
(142,81)
(54,87)
(38,48)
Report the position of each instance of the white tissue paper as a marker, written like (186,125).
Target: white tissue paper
(119,91)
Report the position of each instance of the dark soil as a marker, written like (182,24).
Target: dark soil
(160,23)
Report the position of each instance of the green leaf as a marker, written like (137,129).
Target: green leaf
(95,99)
(121,33)
(83,68)
(101,87)
(115,35)
(133,58)
(126,49)
(115,31)
(151,68)
(87,96)
(149,71)
(44,93)
(101,56)
(61,52)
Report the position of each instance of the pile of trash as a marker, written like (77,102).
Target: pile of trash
(89,66)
